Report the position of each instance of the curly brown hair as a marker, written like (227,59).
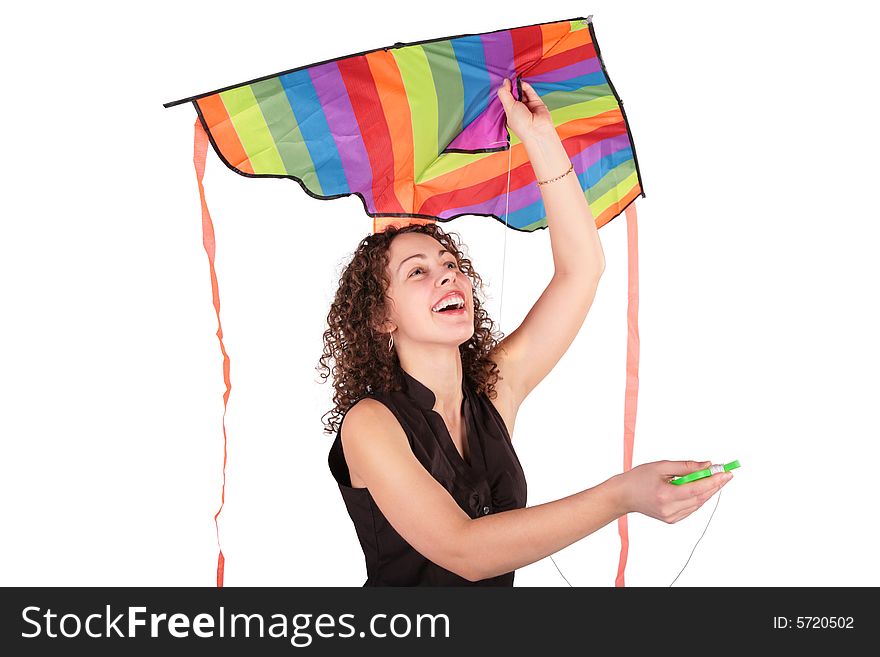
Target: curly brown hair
(363,362)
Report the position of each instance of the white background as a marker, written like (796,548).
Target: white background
(756,134)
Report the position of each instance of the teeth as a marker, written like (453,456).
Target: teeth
(454,300)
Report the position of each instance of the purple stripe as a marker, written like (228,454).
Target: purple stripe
(584,67)
(498,51)
(344,127)
(531,193)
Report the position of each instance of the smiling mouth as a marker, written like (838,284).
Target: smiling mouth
(453,305)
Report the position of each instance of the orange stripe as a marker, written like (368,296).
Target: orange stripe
(395,104)
(223,132)
(569,41)
(552,34)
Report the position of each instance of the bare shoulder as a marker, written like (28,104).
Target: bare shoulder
(367,410)
(368,428)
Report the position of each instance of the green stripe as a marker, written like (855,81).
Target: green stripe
(246,117)
(447,162)
(286,135)
(578,25)
(540,223)
(416,74)
(611,179)
(450,90)
(614,195)
(562,98)
(582,110)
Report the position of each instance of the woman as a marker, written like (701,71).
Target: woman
(426,398)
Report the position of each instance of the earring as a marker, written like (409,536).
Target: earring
(390,341)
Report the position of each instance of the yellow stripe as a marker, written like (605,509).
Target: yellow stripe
(422,95)
(614,195)
(250,125)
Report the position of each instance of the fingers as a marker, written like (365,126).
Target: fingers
(507,86)
(678,468)
(529,94)
(707,484)
(694,496)
(698,492)
(504,94)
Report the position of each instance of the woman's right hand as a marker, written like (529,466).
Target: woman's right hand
(646,489)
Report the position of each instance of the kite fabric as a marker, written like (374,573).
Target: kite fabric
(417,132)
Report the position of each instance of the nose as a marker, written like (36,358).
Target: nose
(448,275)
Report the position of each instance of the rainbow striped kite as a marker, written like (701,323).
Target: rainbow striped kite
(417,130)
(418,133)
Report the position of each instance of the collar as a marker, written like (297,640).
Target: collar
(422,394)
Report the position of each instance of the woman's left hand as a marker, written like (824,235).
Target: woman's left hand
(527,118)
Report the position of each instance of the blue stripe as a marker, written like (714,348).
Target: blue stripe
(474,76)
(595,173)
(316,133)
(571,84)
(528,215)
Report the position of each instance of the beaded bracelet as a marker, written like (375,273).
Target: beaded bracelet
(544,182)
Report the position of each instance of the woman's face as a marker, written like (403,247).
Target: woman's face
(422,274)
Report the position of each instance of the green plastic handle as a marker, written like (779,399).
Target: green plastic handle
(700,474)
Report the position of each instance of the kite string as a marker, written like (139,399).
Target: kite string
(503,262)
(506,208)
(717,501)
(698,540)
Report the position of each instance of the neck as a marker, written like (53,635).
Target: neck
(440,371)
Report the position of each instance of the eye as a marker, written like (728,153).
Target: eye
(448,262)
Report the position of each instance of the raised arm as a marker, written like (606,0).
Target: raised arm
(528,354)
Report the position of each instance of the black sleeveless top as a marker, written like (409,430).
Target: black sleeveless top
(493,481)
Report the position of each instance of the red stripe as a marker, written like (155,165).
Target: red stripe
(563,59)
(576,143)
(367,107)
(528,47)
(481,191)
